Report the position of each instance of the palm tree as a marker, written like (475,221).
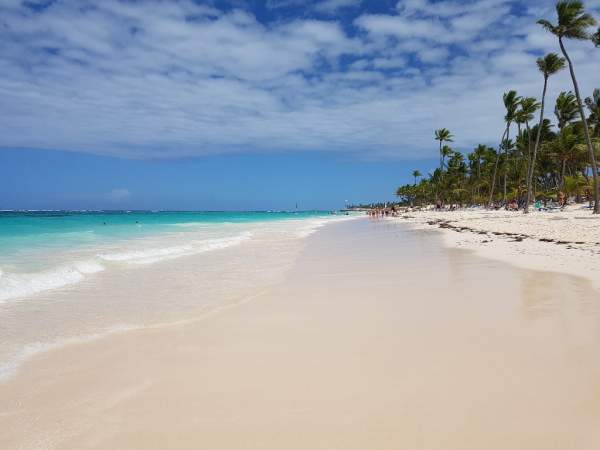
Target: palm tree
(566,110)
(563,149)
(529,105)
(573,23)
(435,179)
(443,135)
(548,65)
(477,158)
(479,153)
(446,152)
(593,105)
(575,184)
(511,102)
(596,38)
(416,174)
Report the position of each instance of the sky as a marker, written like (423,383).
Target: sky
(255,104)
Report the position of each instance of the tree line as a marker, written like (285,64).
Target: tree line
(535,158)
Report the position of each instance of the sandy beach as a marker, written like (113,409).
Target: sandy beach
(298,225)
(380,336)
(564,241)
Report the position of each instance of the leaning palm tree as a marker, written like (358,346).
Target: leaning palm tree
(416,174)
(548,65)
(573,23)
(443,135)
(511,103)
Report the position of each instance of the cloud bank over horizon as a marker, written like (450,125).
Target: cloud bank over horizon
(169,79)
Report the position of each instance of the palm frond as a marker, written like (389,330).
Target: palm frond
(596,38)
(548,26)
(573,21)
(550,64)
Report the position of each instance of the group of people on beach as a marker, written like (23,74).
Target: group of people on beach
(540,204)
(376,213)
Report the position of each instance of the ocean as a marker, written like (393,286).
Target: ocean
(70,276)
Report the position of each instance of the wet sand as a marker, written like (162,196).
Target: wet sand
(379,338)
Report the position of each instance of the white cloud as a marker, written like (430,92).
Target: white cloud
(398,26)
(440,9)
(433,54)
(389,63)
(326,7)
(174,78)
(332,6)
(118,195)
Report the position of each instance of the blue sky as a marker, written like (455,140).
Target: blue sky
(317,180)
(179,101)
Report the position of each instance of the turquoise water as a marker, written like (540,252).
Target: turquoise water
(45,250)
(24,230)
(69,276)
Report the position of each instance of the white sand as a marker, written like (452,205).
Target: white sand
(563,241)
(378,338)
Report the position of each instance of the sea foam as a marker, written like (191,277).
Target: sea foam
(312,225)
(152,255)
(15,285)
(18,285)
(11,366)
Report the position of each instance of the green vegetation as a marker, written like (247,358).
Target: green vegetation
(542,160)
(596,38)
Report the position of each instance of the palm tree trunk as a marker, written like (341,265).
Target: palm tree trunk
(437,193)
(528,141)
(517,160)
(586,130)
(506,159)
(528,149)
(478,176)
(531,167)
(493,186)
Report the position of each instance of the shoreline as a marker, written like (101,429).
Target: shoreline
(129,296)
(355,348)
(28,269)
(566,242)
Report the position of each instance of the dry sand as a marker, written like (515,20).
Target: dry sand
(562,241)
(380,338)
